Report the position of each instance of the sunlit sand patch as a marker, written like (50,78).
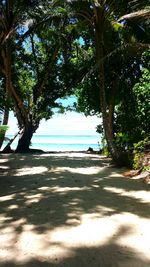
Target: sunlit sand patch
(58,189)
(142,195)
(35,198)
(4,167)
(68,189)
(13,207)
(6,198)
(4,219)
(72,154)
(31,171)
(95,232)
(44,188)
(83,170)
(138,236)
(29,244)
(9,239)
(123,229)
(95,185)
(114,174)
(90,232)
(59,242)
(7,236)
(3,160)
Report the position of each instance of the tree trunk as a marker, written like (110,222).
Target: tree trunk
(25,139)
(107,112)
(24,120)
(21,112)
(5,122)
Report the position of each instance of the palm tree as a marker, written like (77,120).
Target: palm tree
(101,16)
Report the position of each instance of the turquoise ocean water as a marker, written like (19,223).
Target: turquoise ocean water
(63,142)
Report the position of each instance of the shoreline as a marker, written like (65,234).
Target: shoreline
(34,150)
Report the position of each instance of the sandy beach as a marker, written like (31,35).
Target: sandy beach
(71,210)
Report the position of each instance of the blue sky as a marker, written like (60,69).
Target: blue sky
(64,124)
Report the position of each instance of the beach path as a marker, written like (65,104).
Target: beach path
(71,210)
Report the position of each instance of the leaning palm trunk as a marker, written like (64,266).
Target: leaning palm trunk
(107,111)
(7,148)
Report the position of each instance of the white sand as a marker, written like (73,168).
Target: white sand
(71,210)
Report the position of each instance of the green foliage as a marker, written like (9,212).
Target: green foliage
(146,168)
(3,129)
(88,96)
(138,153)
(141,92)
(133,112)
(43,65)
(104,147)
(105,150)
(139,147)
(122,139)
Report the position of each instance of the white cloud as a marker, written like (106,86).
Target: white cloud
(69,123)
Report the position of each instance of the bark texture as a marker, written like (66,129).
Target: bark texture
(25,139)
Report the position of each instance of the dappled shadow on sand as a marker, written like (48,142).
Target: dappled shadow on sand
(110,255)
(70,210)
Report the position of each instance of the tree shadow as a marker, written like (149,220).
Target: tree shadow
(51,192)
(110,254)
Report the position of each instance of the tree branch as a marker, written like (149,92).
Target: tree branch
(46,72)
(144,13)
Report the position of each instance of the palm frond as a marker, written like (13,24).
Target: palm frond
(126,49)
(145,13)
